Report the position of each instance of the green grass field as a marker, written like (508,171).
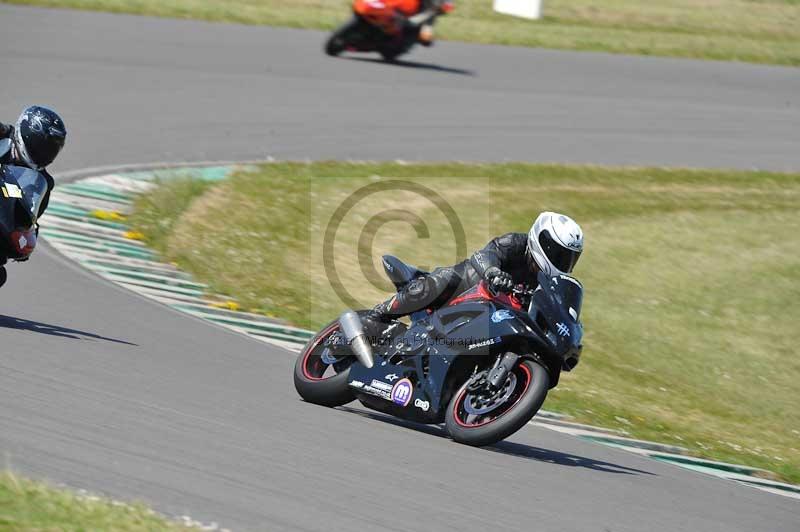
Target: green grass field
(761,31)
(691,277)
(27,506)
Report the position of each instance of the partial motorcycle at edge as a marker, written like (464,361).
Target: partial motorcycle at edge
(21,192)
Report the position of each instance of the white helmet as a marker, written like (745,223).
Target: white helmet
(555,241)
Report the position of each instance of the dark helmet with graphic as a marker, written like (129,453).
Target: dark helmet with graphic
(39,135)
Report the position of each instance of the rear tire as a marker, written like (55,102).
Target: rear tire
(390,56)
(309,371)
(532,383)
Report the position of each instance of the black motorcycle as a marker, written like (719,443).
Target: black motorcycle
(482,364)
(21,193)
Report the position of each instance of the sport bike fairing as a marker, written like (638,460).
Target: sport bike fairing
(554,311)
(26,186)
(386,7)
(410,377)
(384,13)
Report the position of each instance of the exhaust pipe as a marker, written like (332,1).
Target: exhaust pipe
(350,324)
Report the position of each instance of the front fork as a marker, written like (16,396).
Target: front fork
(502,367)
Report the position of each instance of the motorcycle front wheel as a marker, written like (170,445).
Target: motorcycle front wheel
(322,370)
(483,417)
(341,37)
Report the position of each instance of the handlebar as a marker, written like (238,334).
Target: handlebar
(521,290)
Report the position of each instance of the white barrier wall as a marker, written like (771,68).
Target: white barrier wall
(531,9)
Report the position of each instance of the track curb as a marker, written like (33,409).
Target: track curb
(86,223)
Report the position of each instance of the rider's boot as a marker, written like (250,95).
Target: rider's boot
(376,319)
(425,36)
(3,275)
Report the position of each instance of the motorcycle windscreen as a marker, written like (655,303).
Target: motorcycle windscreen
(29,186)
(566,290)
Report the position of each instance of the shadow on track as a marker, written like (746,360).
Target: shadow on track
(565,459)
(433,430)
(9,322)
(414,64)
(510,448)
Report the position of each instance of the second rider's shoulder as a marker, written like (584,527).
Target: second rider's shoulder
(6,132)
(51,182)
(5,151)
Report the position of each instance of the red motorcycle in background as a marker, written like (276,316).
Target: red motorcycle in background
(389,27)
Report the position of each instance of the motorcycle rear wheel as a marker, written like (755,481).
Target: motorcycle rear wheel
(390,55)
(530,381)
(317,381)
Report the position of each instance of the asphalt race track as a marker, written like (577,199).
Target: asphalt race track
(103,390)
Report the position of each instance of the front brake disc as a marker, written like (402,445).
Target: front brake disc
(479,404)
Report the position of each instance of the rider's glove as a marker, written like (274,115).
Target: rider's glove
(498,279)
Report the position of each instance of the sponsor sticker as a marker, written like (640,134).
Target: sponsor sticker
(562,329)
(422,405)
(12,191)
(356,384)
(391,377)
(484,343)
(381,385)
(375,391)
(570,279)
(500,315)
(401,392)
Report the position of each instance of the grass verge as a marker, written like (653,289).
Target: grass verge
(763,31)
(691,277)
(29,505)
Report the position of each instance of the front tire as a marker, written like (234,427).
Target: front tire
(318,381)
(339,40)
(530,384)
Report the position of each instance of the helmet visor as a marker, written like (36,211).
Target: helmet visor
(44,152)
(561,257)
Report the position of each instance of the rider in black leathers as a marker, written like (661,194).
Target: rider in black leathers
(36,139)
(553,245)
